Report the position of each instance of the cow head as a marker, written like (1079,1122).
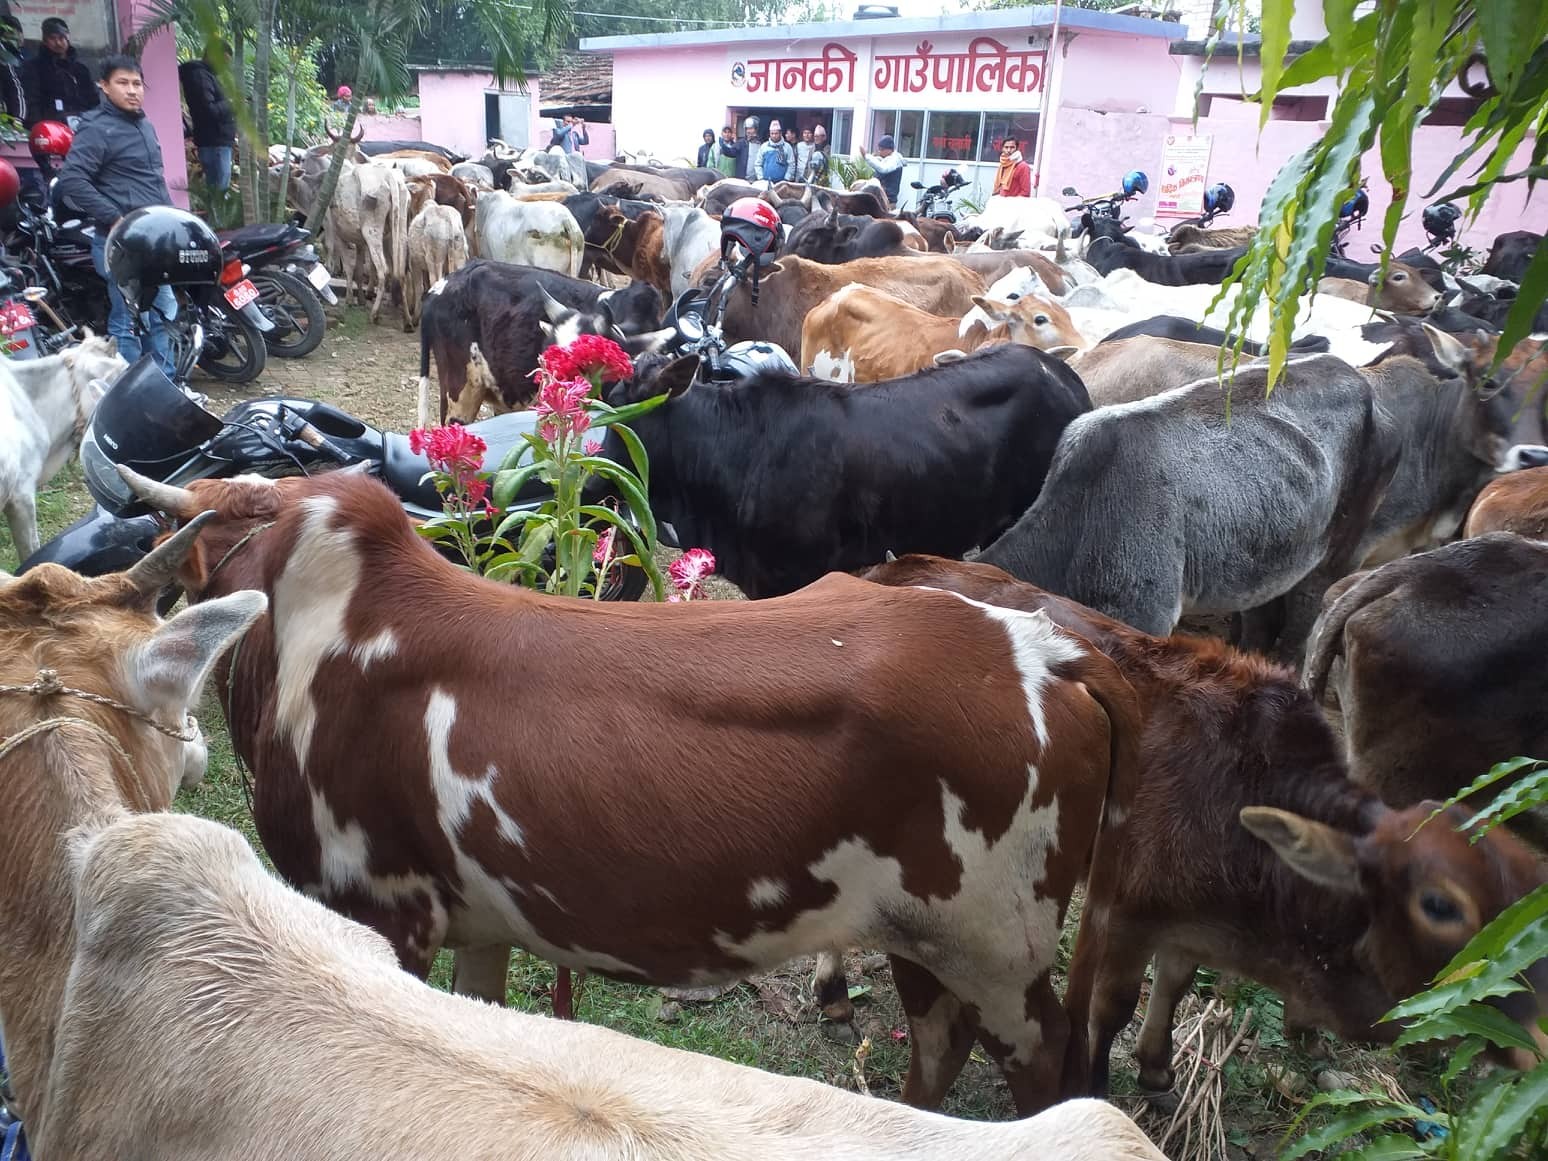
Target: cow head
(562,324)
(656,374)
(102,636)
(1426,889)
(1404,292)
(1033,321)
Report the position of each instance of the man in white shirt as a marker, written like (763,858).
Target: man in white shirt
(888,164)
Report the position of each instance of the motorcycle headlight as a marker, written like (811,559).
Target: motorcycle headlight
(102,479)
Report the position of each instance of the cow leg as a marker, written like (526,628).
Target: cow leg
(1173,977)
(1114,996)
(481,972)
(832,987)
(383,276)
(941,1034)
(21,513)
(1031,1055)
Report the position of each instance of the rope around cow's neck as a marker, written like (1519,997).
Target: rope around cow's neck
(233,550)
(49,685)
(612,243)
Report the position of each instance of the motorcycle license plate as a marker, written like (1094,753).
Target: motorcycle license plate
(318,276)
(241,294)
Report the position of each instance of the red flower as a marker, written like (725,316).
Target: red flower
(557,363)
(452,449)
(600,356)
(689,570)
(593,447)
(604,548)
(561,408)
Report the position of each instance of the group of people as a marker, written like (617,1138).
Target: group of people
(782,156)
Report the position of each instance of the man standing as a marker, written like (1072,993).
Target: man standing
(776,160)
(214,124)
(815,171)
(803,155)
(707,150)
(1013,179)
(570,134)
(887,163)
(13,96)
(58,85)
(728,152)
(114,166)
(747,160)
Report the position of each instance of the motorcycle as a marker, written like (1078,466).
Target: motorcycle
(292,284)
(935,200)
(1108,207)
(150,424)
(223,335)
(1351,215)
(696,318)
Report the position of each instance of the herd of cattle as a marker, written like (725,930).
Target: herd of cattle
(1007,476)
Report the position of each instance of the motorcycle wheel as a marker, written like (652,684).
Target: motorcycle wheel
(295,310)
(627,583)
(233,349)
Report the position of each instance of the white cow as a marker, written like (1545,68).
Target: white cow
(44,407)
(476,175)
(437,247)
(542,234)
(368,221)
(1042,222)
(691,236)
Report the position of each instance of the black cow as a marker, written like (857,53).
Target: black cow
(500,307)
(864,203)
(1511,254)
(377,148)
(1494,308)
(833,238)
(1204,268)
(792,213)
(786,479)
(1185,330)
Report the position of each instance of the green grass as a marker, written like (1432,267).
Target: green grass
(61,502)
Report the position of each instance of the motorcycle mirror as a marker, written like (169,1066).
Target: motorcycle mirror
(691,327)
(1070,191)
(916,185)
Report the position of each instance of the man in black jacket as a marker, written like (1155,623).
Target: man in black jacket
(57,82)
(214,124)
(115,166)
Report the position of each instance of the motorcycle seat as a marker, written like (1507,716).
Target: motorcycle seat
(402,470)
(261,236)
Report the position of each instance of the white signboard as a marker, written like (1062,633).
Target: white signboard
(1184,166)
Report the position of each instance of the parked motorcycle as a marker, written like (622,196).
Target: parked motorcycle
(222,334)
(1351,215)
(935,201)
(292,284)
(1218,199)
(148,423)
(1108,207)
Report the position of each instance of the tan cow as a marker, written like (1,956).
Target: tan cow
(368,222)
(281,1031)
(1516,502)
(1192,239)
(865,335)
(437,248)
(1405,291)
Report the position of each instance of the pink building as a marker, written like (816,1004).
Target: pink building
(98,27)
(1099,94)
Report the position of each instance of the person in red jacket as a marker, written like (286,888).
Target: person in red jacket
(1014,177)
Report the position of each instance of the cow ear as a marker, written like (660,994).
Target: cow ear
(1311,849)
(1448,351)
(995,310)
(547,329)
(170,668)
(675,378)
(950,242)
(944,358)
(1063,354)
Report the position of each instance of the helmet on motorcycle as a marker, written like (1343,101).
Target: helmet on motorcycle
(1440,221)
(51,138)
(1357,206)
(752,224)
(160,246)
(1219,198)
(1134,183)
(10,183)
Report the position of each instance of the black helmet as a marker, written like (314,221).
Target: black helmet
(161,246)
(1219,198)
(1440,221)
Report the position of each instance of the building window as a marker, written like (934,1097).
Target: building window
(999,126)
(905,126)
(954,136)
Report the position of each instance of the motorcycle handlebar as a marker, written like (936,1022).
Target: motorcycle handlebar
(313,438)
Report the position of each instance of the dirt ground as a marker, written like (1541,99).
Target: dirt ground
(1244,1099)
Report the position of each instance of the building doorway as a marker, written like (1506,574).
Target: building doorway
(838,122)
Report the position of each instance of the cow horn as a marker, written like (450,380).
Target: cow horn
(891,556)
(158,568)
(166,498)
(357,138)
(328,129)
(552,307)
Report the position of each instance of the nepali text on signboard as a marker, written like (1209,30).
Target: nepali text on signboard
(1184,166)
(927,74)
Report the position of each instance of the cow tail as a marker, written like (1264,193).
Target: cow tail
(1106,685)
(1327,640)
(426,329)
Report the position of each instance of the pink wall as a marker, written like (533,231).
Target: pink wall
(390,127)
(650,113)
(163,103)
(451,113)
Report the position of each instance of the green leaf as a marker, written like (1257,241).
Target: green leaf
(1460,1058)
(606,415)
(1472,1020)
(1531,173)
(1527,793)
(1392,1147)
(642,556)
(1510,30)
(1276,43)
(626,482)
(509,482)
(1323,60)
(536,540)
(1497,1117)
(637,455)
(1507,945)
(1377,1111)
(1338,15)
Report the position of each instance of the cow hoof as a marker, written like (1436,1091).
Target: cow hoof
(839,1011)
(1164,1103)
(1157,1082)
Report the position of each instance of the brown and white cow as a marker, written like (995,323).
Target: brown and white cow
(846,765)
(282,1031)
(1404,292)
(1515,502)
(1250,850)
(1442,673)
(865,335)
(794,287)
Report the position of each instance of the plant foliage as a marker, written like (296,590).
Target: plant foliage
(1391,65)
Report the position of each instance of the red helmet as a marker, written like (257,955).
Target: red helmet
(51,138)
(752,224)
(10,183)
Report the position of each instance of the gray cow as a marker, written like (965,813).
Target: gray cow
(1198,501)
